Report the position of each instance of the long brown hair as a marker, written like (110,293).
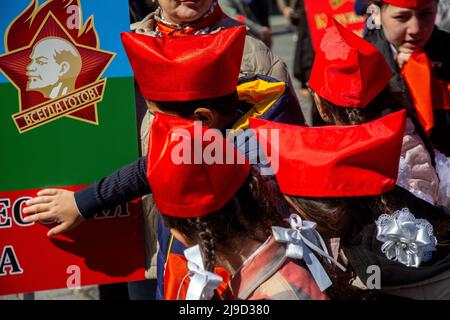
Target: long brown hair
(345,217)
(249,214)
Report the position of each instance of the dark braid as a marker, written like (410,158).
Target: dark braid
(241,217)
(207,244)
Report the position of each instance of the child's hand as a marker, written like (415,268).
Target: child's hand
(55,205)
(403,56)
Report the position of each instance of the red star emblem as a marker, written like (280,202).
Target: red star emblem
(55,77)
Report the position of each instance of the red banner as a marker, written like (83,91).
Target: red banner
(319,11)
(96,252)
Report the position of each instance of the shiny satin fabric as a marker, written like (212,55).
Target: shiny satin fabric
(190,67)
(410,4)
(302,243)
(335,161)
(177,269)
(406,239)
(186,183)
(428,92)
(348,71)
(203,282)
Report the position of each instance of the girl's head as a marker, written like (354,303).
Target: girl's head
(407,24)
(335,217)
(194,76)
(333,175)
(332,114)
(242,218)
(204,188)
(184,11)
(343,217)
(347,78)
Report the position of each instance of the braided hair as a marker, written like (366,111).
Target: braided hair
(207,243)
(249,214)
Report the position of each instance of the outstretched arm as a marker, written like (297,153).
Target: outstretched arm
(69,209)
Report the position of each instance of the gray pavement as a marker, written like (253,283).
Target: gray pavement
(84,293)
(284,38)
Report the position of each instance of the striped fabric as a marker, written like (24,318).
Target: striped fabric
(270,275)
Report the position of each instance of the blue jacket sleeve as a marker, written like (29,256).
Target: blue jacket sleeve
(124,185)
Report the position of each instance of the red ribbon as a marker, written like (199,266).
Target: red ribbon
(428,92)
(203,23)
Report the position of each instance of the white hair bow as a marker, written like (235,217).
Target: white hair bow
(302,241)
(406,239)
(203,283)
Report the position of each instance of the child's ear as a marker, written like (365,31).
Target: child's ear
(180,237)
(324,111)
(206,116)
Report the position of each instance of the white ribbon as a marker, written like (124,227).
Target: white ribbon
(203,283)
(302,239)
(406,239)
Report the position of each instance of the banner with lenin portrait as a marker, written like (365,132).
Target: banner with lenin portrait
(67,118)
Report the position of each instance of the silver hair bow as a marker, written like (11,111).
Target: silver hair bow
(203,283)
(302,241)
(406,239)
